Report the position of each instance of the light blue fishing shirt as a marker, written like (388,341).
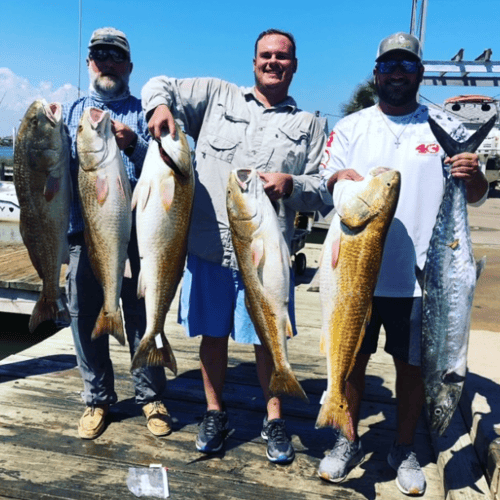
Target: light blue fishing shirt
(232,129)
(127,111)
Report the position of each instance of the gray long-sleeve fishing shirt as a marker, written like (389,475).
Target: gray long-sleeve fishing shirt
(232,129)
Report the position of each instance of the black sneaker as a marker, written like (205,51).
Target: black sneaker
(213,431)
(279,448)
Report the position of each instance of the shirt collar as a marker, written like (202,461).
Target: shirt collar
(249,92)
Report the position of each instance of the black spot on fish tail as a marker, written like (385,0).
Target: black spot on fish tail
(452,378)
(452,147)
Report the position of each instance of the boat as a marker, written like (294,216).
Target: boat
(9,204)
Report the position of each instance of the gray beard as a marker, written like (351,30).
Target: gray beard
(109,88)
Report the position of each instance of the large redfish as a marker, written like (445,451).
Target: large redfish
(264,262)
(105,197)
(163,199)
(349,270)
(42,182)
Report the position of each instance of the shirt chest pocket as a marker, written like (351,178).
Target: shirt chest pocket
(291,149)
(230,131)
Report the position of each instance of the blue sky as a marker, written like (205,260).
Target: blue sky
(336,44)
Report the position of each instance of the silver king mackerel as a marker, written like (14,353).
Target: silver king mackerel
(448,281)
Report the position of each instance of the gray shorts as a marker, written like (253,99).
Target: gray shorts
(402,321)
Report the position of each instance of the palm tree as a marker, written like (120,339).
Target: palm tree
(364,96)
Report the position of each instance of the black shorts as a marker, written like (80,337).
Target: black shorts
(402,321)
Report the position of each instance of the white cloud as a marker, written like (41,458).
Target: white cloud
(17,93)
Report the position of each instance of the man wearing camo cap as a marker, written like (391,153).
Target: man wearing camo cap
(109,65)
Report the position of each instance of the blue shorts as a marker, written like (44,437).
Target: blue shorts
(212,302)
(402,321)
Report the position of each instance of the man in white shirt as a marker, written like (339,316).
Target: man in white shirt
(395,133)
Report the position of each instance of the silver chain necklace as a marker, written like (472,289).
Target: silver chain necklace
(397,141)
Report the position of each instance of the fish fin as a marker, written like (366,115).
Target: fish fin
(52,186)
(149,354)
(289,329)
(135,196)
(452,147)
(420,274)
(285,382)
(121,188)
(49,310)
(167,191)
(127,272)
(480,267)
(335,253)
(102,189)
(322,343)
(336,414)
(257,248)
(141,287)
(111,324)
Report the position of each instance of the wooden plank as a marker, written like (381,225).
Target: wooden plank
(462,473)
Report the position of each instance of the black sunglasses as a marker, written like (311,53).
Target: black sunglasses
(387,67)
(101,55)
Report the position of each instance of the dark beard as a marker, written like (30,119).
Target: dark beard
(396,96)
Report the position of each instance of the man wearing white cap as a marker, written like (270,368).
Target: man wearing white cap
(395,133)
(109,66)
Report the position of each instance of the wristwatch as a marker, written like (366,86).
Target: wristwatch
(131,147)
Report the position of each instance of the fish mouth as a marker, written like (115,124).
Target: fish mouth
(168,160)
(243,175)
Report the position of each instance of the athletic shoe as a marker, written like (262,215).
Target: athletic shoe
(344,456)
(279,447)
(410,479)
(213,431)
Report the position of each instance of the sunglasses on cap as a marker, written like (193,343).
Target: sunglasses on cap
(101,55)
(388,67)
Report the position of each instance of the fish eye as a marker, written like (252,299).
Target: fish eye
(438,412)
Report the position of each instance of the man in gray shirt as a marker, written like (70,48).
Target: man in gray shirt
(257,127)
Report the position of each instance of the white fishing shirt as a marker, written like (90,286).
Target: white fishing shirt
(368,139)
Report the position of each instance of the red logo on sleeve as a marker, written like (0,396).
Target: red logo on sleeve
(330,139)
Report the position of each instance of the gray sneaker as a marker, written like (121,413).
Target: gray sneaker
(410,479)
(341,460)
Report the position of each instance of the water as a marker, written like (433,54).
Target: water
(6,152)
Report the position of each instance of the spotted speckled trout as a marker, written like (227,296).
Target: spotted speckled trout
(448,282)
(264,262)
(42,182)
(349,268)
(163,199)
(105,197)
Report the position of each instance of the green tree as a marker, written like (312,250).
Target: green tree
(364,96)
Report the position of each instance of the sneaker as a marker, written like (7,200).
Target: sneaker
(344,456)
(279,447)
(91,425)
(410,479)
(213,431)
(158,419)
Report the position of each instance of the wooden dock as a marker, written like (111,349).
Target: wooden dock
(40,405)
(43,458)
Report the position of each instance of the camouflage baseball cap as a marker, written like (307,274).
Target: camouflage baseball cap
(400,41)
(110,36)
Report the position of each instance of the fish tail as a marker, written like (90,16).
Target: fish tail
(149,354)
(285,382)
(337,415)
(49,310)
(110,323)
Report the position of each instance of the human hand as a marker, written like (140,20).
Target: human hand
(347,173)
(161,119)
(277,184)
(124,135)
(464,166)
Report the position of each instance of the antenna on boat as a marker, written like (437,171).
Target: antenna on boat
(79,45)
